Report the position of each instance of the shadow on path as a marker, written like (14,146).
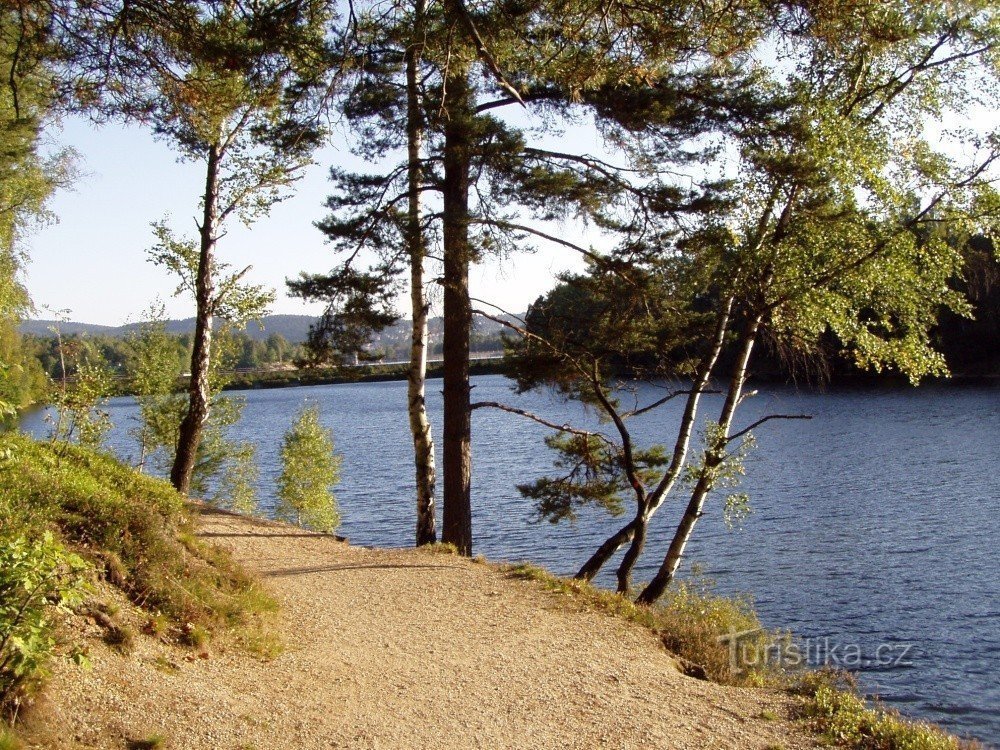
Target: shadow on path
(283,573)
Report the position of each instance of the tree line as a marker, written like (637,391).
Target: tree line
(117,353)
(794,176)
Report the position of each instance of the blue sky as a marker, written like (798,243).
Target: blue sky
(92,262)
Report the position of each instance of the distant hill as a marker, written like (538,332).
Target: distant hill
(293,327)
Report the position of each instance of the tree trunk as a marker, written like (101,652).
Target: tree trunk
(645,511)
(712,458)
(457,496)
(605,552)
(420,426)
(624,573)
(199,396)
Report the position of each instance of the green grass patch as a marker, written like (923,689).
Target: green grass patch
(841,715)
(9,740)
(79,509)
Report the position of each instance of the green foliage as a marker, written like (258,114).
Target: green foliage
(235,301)
(22,381)
(309,471)
(28,178)
(616,323)
(723,467)
(225,471)
(78,405)
(39,579)
(594,476)
(844,718)
(134,528)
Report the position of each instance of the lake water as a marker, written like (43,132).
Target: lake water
(875,524)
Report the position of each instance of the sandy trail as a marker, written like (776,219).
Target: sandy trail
(400,649)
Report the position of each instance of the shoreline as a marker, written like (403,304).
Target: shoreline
(861,381)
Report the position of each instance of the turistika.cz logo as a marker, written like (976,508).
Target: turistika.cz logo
(747,652)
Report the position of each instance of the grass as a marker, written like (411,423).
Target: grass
(135,529)
(840,714)
(692,622)
(135,532)
(8,741)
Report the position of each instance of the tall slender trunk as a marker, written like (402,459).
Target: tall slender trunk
(712,458)
(457,496)
(420,426)
(199,396)
(635,530)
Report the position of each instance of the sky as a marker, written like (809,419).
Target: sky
(92,261)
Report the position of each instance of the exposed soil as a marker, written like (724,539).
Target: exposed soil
(403,649)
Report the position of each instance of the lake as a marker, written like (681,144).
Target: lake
(874,531)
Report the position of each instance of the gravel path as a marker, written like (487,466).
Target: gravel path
(408,650)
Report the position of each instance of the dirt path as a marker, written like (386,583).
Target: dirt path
(398,649)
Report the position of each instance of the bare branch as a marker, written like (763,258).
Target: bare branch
(660,402)
(542,421)
(762,420)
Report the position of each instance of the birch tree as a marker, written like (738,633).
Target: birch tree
(226,84)
(481,171)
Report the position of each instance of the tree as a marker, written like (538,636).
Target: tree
(228,85)
(218,463)
(824,232)
(29,99)
(482,166)
(309,471)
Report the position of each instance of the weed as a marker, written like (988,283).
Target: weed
(194,636)
(841,715)
(121,637)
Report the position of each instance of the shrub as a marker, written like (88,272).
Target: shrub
(39,579)
(309,471)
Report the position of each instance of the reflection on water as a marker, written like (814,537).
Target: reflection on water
(874,523)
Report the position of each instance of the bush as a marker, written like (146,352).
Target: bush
(309,471)
(38,580)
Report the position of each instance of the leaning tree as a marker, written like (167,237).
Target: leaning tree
(824,235)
